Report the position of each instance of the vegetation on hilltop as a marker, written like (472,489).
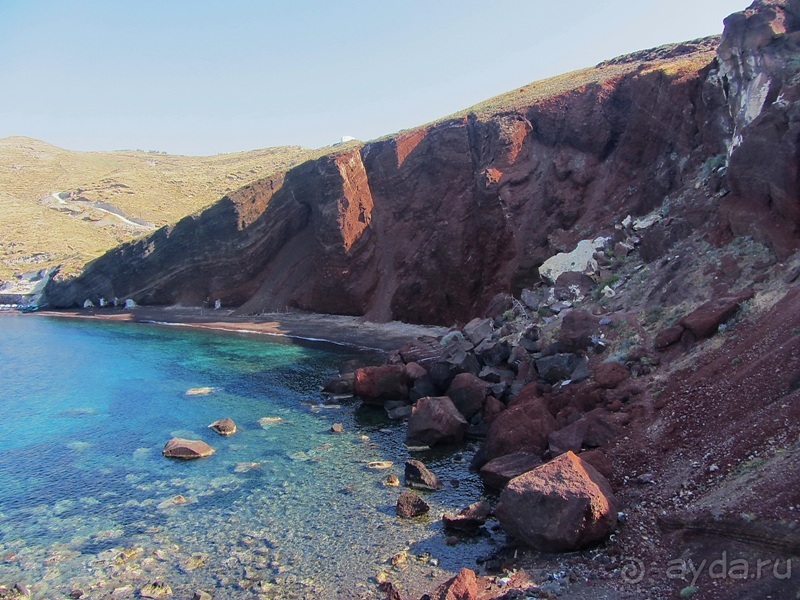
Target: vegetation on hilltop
(672,59)
(149,189)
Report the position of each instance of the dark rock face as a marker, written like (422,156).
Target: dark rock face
(561,506)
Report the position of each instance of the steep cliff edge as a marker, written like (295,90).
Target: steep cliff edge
(428,225)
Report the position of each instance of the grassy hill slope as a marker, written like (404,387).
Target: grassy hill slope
(105,198)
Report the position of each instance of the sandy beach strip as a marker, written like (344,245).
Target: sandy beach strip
(337,329)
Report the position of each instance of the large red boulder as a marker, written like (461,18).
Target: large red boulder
(610,374)
(561,506)
(435,420)
(667,337)
(376,384)
(704,321)
(463,586)
(520,428)
(468,393)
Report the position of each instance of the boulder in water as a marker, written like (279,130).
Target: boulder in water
(224,426)
(186,449)
(156,590)
(410,505)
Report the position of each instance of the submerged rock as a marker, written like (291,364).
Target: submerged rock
(156,590)
(173,502)
(199,391)
(224,426)
(380,464)
(244,467)
(186,449)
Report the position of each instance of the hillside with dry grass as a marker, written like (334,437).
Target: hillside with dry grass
(674,60)
(64,207)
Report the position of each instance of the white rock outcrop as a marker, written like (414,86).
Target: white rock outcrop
(580,260)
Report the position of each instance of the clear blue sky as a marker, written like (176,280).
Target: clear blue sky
(203,77)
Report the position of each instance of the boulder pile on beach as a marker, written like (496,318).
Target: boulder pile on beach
(526,399)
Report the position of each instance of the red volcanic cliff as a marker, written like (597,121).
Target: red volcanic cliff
(428,225)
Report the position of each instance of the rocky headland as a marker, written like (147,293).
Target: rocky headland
(617,249)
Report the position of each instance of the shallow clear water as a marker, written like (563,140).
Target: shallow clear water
(283,509)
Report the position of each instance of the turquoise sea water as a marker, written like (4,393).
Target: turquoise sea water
(283,509)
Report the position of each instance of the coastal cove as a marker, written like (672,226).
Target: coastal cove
(283,509)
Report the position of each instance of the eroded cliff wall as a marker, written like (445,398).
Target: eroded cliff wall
(428,225)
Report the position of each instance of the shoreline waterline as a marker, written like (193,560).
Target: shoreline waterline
(339,330)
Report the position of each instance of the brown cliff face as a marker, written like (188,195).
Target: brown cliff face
(427,226)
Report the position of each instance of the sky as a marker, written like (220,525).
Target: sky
(205,77)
